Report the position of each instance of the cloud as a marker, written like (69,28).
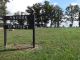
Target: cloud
(20,5)
(55,4)
(73,3)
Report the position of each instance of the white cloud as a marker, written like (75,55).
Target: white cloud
(20,5)
(55,4)
(73,3)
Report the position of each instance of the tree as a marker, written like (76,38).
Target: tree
(37,8)
(48,12)
(51,14)
(3,7)
(71,10)
(57,15)
(30,11)
(45,12)
(21,22)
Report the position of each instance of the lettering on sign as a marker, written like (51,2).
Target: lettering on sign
(16,17)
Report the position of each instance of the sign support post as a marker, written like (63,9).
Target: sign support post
(5,35)
(33,30)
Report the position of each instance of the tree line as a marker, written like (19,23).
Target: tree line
(45,12)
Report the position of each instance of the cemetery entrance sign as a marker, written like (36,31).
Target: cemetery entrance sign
(20,19)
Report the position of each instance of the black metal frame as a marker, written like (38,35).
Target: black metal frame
(19,17)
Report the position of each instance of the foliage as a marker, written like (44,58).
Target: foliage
(37,8)
(29,10)
(57,14)
(71,10)
(3,7)
(45,12)
(21,22)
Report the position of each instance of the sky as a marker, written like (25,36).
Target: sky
(64,3)
(20,5)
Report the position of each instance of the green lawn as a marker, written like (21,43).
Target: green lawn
(51,44)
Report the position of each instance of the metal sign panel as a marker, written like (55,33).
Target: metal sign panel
(16,17)
(16,26)
(20,19)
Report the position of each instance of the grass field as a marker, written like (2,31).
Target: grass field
(51,44)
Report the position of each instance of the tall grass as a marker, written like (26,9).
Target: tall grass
(52,44)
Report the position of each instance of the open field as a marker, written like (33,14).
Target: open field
(51,44)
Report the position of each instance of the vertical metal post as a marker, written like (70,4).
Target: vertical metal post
(5,35)
(79,18)
(33,30)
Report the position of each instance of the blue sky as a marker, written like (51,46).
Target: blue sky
(64,3)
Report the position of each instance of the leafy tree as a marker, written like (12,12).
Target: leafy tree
(21,22)
(51,14)
(71,10)
(57,15)
(3,7)
(45,12)
(30,11)
(37,8)
(48,12)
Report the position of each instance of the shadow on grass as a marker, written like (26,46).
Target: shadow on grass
(15,49)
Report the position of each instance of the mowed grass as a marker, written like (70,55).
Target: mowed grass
(52,44)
